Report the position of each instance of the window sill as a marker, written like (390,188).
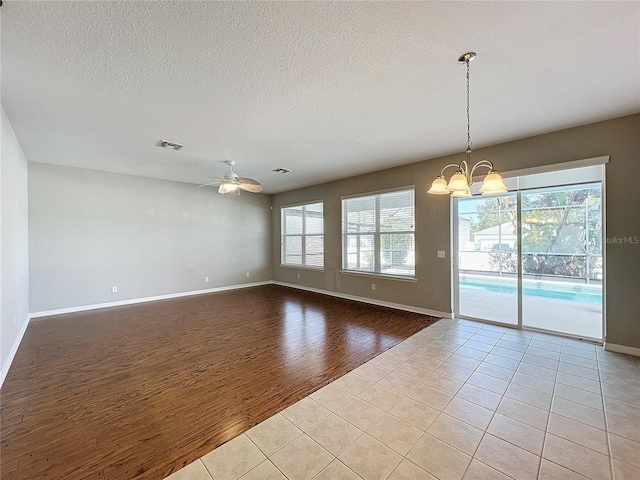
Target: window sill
(401,278)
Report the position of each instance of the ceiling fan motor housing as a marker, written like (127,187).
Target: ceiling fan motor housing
(231,177)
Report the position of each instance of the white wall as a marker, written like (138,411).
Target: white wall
(90,231)
(14,258)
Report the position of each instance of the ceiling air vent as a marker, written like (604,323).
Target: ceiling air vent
(282,170)
(169,145)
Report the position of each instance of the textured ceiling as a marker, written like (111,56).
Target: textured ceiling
(329,90)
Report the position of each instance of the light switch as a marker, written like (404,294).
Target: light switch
(441,254)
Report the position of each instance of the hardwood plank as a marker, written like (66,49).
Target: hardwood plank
(143,390)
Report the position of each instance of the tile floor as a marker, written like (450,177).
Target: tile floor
(458,400)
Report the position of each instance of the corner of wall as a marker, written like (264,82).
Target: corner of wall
(6,364)
(14,245)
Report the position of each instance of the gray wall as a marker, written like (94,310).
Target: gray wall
(89,231)
(14,260)
(431,291)
(619,138)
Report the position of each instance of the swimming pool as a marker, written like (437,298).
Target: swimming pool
(574,292)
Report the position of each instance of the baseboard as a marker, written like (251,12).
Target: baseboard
(612,347)
(13,351)
(133,301)
(371,301)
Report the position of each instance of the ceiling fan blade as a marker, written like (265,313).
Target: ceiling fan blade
(250,187)
(208,184)
(249,184)
(248,180)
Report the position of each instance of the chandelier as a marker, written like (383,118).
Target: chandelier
(459,184)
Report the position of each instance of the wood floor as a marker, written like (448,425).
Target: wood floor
(140,391)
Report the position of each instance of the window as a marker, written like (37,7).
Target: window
(303,235)
(378,233)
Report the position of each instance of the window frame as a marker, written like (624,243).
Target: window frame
(377,250)
(303,236)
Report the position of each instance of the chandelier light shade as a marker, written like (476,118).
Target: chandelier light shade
(459,184)
(493,184)
(439,186)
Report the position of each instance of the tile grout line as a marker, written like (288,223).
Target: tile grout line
(606,421)
(546,430)
(486,430)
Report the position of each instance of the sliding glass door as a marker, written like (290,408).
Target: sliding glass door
(532,258)
(562,260)
(487,258)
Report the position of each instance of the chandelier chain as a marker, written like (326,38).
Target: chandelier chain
(468,110)
(459,185)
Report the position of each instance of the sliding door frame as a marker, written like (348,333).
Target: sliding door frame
(455,279)
(519,244)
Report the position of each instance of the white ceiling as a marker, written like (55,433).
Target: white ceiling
(329,90)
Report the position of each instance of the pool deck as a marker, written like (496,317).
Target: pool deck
(564,316)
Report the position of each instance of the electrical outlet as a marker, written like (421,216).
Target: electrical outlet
(298,275)
(441,254)
(206,279)
(114,289)
(373,286)
(248,275)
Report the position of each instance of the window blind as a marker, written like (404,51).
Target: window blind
(378,233)
(303,235)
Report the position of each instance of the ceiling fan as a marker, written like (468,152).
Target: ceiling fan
(232,182)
